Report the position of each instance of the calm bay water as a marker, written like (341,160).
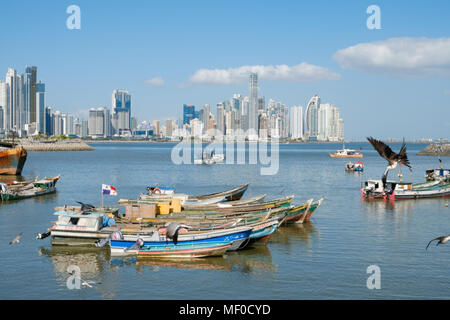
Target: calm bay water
(324,259)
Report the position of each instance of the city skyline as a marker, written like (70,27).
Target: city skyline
(167,64)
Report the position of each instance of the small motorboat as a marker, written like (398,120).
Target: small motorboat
(346,153)
(357,166)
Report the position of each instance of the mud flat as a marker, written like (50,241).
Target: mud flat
(434,150)
(55,146)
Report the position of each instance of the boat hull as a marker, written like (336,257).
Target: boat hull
(12,161)
(183,251)
(332,155)
(236,237)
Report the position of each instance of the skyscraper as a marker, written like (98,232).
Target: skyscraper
(296,122)
(188,113)
(40,107)
(121,111)
(253,104)
(32,71)
(13,108)
(4,102)
(312,118)
(220,121)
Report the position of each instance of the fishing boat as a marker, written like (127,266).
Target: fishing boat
(23,190)
(437,174)
(184,251)
(396,190)
(262,231)
(227,204)
(12,158)
(225,208)
(357,166)
(302,213)
(235,235)
(346,153)
(163,190)
(210,158)
(228,195)
(85,227)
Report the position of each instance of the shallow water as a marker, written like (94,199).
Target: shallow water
(324,259)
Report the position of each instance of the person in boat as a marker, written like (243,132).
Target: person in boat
(350,165)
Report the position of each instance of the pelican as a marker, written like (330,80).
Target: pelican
(85,207)
(16,239)
(393,158)
(440,240)
(172,230)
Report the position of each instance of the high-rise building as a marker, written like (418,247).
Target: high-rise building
(49,122)
(32,71)
(253,104)
(40,108)
(157,128)
(312,118)
(296,122)
(220,123)
(121,111)
(188,113)
(1,119)
(13,109)
(170,127)
(4,102)
(99,124)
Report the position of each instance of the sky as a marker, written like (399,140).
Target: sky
(392,82)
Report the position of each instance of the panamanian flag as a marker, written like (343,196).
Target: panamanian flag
(106,189)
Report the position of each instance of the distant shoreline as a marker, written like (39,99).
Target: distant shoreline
(36,146)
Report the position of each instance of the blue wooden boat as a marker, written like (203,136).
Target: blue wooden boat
(237,236)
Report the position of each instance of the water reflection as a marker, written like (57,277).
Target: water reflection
(91,261)
(253,259)
(297,234)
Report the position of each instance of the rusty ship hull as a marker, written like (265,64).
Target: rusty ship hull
(12,161)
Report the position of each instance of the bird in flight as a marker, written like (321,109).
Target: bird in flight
(440,240)
(386,152)
(16,239)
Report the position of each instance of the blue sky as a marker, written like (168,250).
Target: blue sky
(121,45)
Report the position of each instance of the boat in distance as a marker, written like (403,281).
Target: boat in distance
(12,159)
(346,153)
(28,189)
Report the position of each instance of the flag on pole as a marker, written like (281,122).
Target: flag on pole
(107,189)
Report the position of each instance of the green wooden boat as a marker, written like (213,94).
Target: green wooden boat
(25,190)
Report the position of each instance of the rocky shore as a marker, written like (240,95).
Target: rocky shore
(434,150)
(51,146)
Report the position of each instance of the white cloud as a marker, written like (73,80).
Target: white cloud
(398,56)
(302,72)
(156,81)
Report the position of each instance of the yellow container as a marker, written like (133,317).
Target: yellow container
(176,205)
(164,208)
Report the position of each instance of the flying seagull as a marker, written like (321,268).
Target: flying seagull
(440,240)
(172,231)
(16,239)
